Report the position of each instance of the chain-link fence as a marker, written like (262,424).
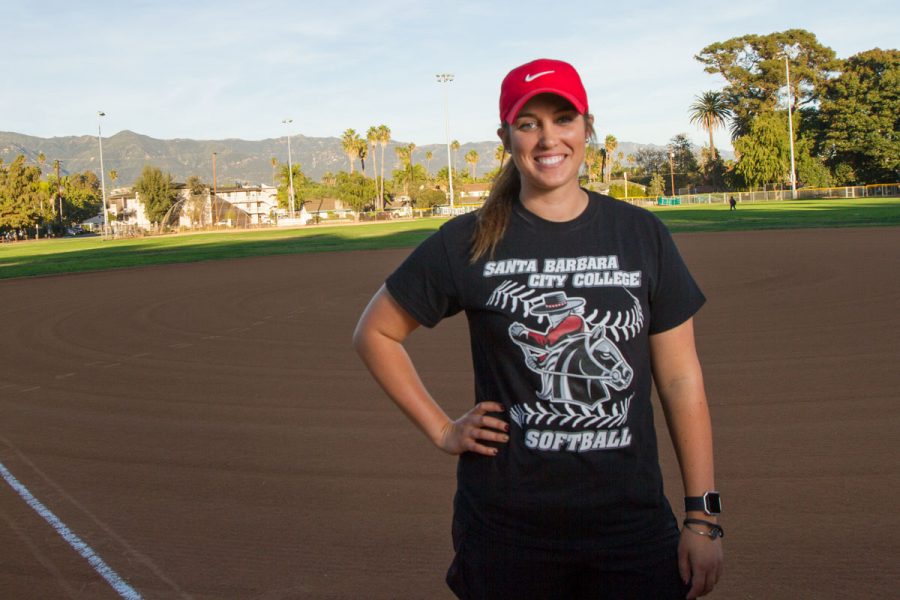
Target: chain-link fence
(880,190)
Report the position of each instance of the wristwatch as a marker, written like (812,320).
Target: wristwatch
(710,503)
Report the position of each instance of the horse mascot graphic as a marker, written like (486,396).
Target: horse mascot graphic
(577,357)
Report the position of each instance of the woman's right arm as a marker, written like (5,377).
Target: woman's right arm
(378,339)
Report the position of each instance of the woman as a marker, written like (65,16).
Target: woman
(575,302)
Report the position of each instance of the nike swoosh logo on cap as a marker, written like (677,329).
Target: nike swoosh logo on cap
(529,78)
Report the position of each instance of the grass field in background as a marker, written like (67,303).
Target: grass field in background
(47,257)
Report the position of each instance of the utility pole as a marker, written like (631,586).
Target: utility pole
(672,170)
(291,167)
(787,74)
(447,78)
(59,194)
(215,207)
(101,114)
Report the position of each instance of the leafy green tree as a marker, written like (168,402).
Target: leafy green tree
(649,161)
(82,199)
(710,111)
(753,67)
(860,117)
(687,171)
(442,181)
(712,169)
(811,170)
(357,190)
(157,192)
(22,196)
(764,151)
(426,197)
(657,185)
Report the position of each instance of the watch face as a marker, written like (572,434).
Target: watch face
(713,503)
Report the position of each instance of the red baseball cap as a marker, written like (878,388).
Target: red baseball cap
(541,76)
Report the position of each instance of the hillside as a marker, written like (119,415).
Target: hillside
(237,160)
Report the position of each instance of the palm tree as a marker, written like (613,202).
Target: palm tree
(428,156)
(372,141)
(710,111)
(412,148)
(362,151)
(113,175)
(350,143)
(609,144)
(404,155)
(384,136)
(472,158)
(591,156)
(274,162)
(454,146)
(500,154)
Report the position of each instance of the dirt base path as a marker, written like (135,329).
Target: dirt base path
(207,431)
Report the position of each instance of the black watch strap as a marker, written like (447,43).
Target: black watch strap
(694,503)
(709,503)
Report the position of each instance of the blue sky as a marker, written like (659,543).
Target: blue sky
(226,69)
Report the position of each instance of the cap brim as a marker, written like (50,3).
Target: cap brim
(514,111)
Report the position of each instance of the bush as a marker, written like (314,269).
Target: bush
(428,197)
(617,190)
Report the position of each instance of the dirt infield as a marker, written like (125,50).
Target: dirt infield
(207,430)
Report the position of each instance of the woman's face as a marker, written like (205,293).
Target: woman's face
(546,142)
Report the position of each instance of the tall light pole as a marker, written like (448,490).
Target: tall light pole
(672,170)
(100,115)
(290,166)
(214,206)
(447,78)
(787,75)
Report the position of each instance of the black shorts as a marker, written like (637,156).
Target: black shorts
(484,570)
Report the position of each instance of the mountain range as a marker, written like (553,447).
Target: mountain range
(237,161)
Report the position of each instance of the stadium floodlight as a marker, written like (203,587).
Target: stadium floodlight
(447,78)
(100,115)
(290,167)
(787,76)
(672,170)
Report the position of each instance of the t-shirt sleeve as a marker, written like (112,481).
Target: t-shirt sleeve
(675,296)
(423,284)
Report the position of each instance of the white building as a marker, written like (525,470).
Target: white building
(233,206)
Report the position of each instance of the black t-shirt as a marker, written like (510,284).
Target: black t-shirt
(559,322)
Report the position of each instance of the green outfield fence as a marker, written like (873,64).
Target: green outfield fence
(878,190)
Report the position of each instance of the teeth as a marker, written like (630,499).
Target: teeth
(550,160)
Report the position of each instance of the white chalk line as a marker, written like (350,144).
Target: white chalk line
(104,570)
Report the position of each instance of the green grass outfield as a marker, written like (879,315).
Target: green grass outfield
(47,257)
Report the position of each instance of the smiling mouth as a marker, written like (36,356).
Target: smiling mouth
(549,161)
